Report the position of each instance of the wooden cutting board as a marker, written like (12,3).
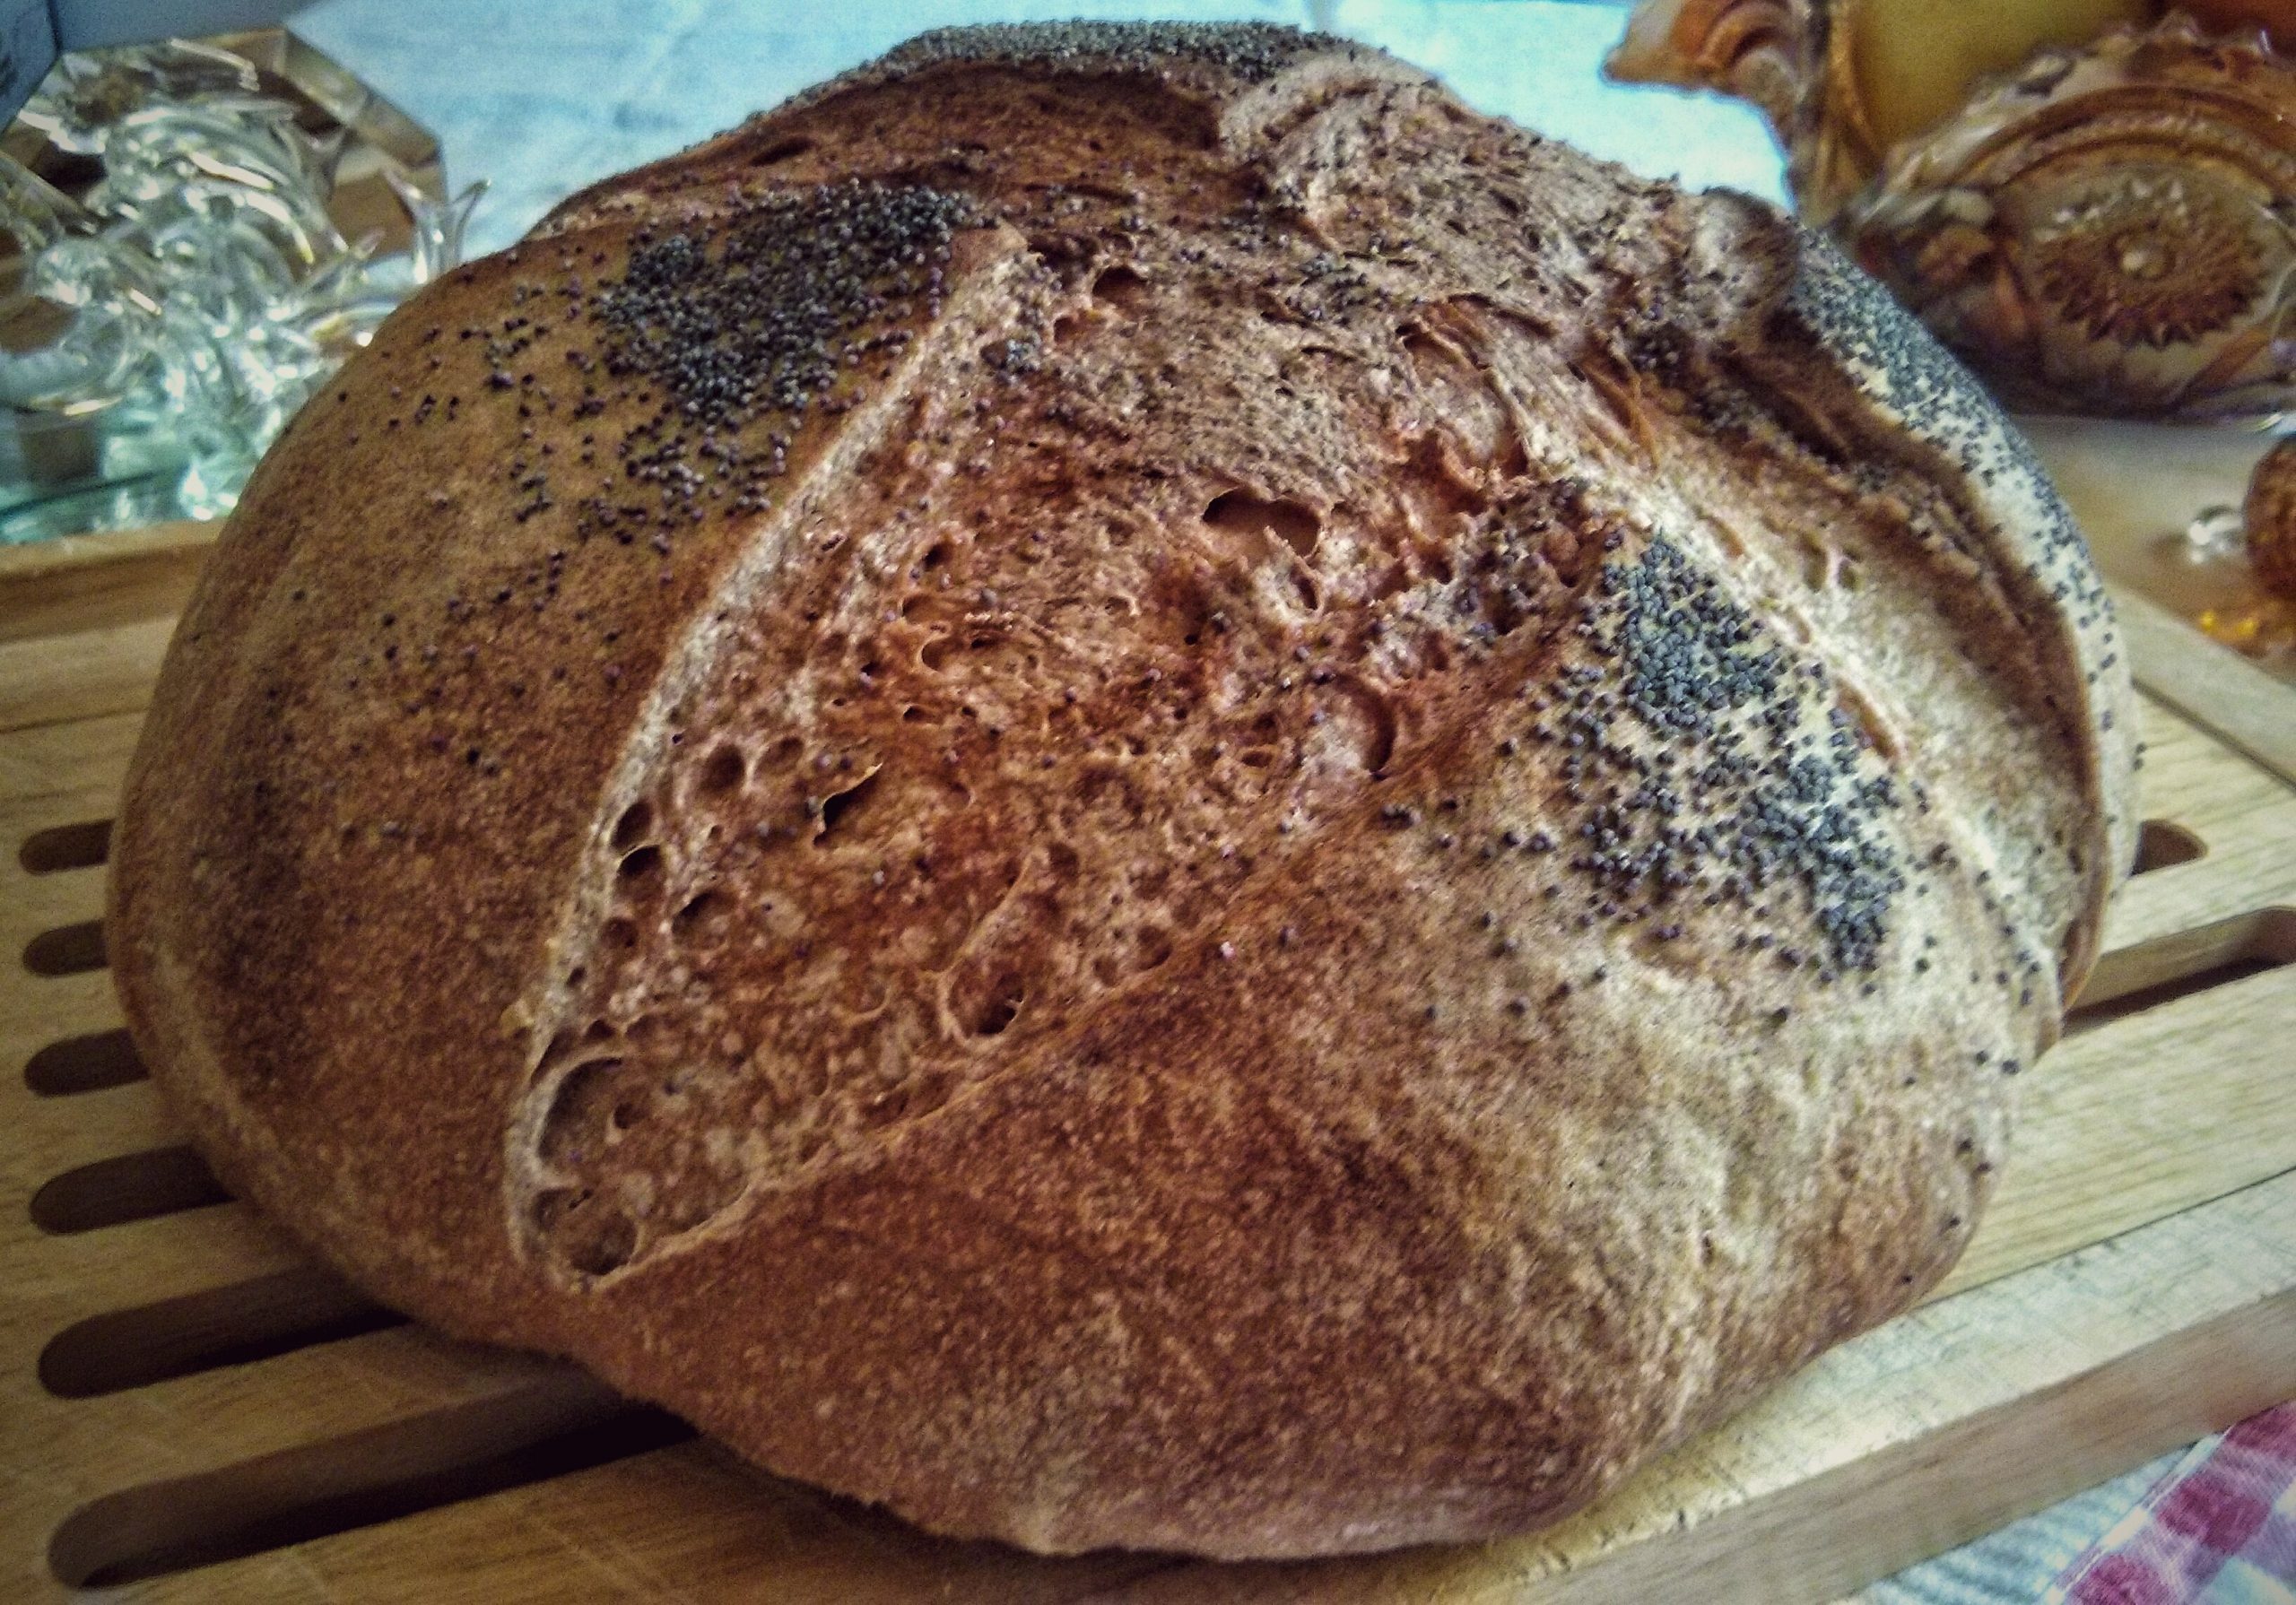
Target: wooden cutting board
(190,1410)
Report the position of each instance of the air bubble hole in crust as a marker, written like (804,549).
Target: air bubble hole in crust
(632,827)
(699,910)
(1242,512)
(574,1110)
(1875,729)
(1121,287)
(839,809)
(725,769)
(885,1109)
(593,1236)
(562,1043)
(640,865)
(781,151)
(986,1007)
(1817,565)
(1369,720)
(1423,347)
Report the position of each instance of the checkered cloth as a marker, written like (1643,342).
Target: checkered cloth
(2220,1529)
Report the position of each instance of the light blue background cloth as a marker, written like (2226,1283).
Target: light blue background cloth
(541,97)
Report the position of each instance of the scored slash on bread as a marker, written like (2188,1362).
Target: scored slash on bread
(1127,786)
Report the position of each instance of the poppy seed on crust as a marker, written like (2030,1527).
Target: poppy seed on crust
(749,320)
(1248,52)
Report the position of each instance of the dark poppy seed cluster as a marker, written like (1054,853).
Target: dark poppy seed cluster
(1942,403)
(1254,52)
(753,320)
(1702,774)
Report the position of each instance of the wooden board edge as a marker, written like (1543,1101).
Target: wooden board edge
(2120,1414)
(2135,1375)
(2209,684)
(2150,1375)
(76,584)
(32,561)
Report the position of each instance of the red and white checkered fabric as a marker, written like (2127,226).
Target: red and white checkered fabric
(2220,1529)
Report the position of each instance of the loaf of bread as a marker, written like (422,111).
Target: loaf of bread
(1127,786)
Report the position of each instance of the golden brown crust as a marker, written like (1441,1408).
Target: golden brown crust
(1077,811)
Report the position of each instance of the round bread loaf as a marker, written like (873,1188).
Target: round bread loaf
(1127,786)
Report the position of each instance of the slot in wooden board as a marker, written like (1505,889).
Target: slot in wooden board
(187,1404)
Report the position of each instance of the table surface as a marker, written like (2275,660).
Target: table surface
(543,95)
